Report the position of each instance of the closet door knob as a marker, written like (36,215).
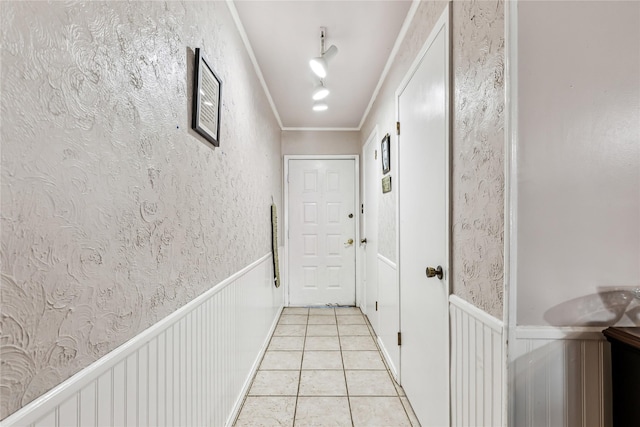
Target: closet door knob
(434,272)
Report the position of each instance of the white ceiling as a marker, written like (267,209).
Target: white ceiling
(285,35)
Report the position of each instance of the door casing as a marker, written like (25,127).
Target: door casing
(370,284)
(356,160)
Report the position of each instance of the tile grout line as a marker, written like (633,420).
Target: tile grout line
(344,372)
(246,396)
(304,344)
(388,369)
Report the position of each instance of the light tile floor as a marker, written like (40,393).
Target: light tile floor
(323,368)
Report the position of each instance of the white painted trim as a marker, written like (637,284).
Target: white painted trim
(388,360)
(582,333)
(252,56)
(392,56)
(285,231)
(477,313)
(442,24)
(373,137)
(356,159)
(510,300)
(254,368)
(387,261)
(303,129)
(425,47)
(357,230)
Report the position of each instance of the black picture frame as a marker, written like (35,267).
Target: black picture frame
(386,155)
(207,100)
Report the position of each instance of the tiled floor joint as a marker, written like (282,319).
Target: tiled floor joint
(324,368)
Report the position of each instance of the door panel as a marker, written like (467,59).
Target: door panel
(423,203)
(321,261)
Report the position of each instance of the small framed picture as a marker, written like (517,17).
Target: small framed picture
(207,94)
(386,184)
(386,155)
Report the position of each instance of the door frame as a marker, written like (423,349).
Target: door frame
(371,139)
(443,21)
(356,238)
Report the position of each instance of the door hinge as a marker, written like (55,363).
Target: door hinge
(376,305)
(399,338)
(362,208)
(398,128)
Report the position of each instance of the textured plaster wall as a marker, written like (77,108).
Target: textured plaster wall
(477,144)
(320,142)
(478,154)
(114,212)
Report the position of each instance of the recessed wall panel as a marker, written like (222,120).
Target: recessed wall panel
(310,244)
(310,181)
(310,213)
(310,277)
(333,277)
(333,181)
(333,213)
(334,242)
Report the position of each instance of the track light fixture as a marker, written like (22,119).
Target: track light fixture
(320,91)
(319,64)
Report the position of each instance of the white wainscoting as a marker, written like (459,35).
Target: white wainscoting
(190,369)
(477,366)
(561,377)
(388,313)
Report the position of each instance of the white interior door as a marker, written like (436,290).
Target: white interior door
(423,207)
(322,231)
(371,184)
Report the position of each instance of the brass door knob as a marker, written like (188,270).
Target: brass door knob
(350,242)
(435,272)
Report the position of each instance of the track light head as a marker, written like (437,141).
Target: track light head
(319,64)
(320,106)
(320,92)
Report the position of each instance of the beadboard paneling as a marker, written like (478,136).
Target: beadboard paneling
(477,366)
(191,368)
(561,377)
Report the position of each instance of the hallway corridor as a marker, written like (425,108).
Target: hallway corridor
(323,368)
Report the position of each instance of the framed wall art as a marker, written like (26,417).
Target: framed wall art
(386,156)
(386,184)
(207,96)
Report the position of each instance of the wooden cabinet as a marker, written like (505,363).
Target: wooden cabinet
(625,370)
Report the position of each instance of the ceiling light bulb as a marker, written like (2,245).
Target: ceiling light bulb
(320,92)
(320,106)
(319,64)
(319,67)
